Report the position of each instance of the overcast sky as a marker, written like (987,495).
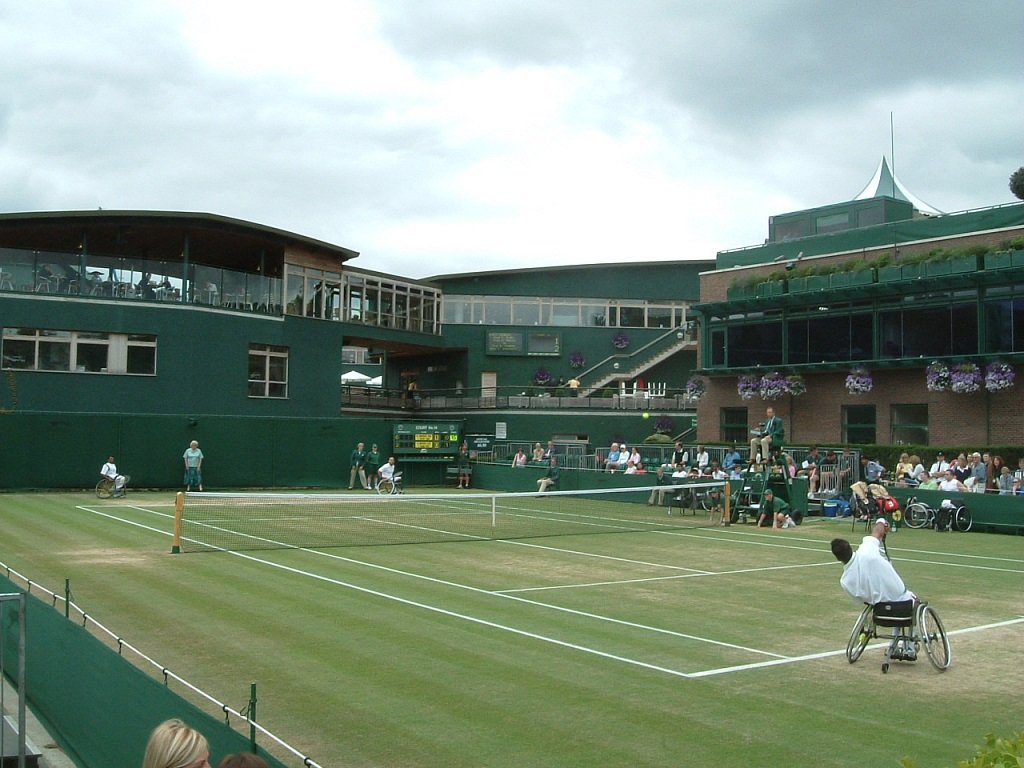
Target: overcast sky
(438,136)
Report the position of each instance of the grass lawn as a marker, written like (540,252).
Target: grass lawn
(690,647)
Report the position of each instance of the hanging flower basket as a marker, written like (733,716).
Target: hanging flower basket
(859,381)
(795,384)
(965,378)
(577,360)
(773,386)
(695,388)
(999,376)
(664,425)
(620,340)
(938,377)
(542,377)
(748,386)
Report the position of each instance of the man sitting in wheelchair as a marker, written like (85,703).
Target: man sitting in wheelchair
(109,472)
(869,576)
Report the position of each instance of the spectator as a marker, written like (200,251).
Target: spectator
(615,457)
(790,464)
(548,452)
(1005,482)
(243,760)
(846,464)
(702,458)
(810,468)
(636,458)
(574,385)
(680,455)
(358,466)
(926,482)
(732,458)
(462,466)
(172,744)
(918,469)
(960,468)
(550,478)
(940,465)
(979,473)
(630,468)
(193,466)
(519,460)
(538,453)
(904,470)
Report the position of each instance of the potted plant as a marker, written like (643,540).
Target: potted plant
(577,360)
(965,378)
(542,377)
(795,384)
(859,381)
(748,386)
(694,388)
(620,340)
(999,376)
(773,385)
(937,377)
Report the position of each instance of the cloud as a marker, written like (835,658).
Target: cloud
(443,136)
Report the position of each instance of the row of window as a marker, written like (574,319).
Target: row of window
(844,334)
(575,313)
(43,349)
(908,424)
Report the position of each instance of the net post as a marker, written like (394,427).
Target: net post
(494,511)
(727,514)
(179,511)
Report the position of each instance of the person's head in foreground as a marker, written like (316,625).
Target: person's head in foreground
(842,550)
(243,760)
(174,745)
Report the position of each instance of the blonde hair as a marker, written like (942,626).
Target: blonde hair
(174,745)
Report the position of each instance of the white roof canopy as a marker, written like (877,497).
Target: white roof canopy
(885,184)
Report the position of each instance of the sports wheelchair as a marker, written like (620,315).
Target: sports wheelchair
(913,624)
(390,487)
(105,487)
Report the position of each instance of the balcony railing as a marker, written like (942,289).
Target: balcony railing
(362,396)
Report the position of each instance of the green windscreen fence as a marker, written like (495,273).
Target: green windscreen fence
(98,706)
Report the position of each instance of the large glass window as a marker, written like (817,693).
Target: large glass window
(929,331)
(859,424)
(755,344)
(909,424)
(564,312)
(268,371)
(829,338)
(1004,325)
(41,349)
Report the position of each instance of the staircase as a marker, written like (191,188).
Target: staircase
(624,367)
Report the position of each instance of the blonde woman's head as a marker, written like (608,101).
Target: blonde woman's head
(174,745)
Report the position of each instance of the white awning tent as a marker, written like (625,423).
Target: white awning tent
(376,381)
(354,377)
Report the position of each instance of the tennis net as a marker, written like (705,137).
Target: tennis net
(247,521)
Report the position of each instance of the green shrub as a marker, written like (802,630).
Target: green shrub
(997,753)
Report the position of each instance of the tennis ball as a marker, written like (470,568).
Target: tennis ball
(647,415)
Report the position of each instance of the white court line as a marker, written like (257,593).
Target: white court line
(826,654)
(779,659)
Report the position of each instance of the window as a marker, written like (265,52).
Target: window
(1004,325)
(909,424)
(859,424)
(751,345)
(268,371)
(734,425)
(40,349)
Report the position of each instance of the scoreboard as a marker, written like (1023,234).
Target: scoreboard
(427,438)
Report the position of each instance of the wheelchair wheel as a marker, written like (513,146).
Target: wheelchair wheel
(962,519)
(933,637)
(104,488)
(862,632)
(386,487)
(917,515)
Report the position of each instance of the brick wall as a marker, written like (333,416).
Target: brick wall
(981,418)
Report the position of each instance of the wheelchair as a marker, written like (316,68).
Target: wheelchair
(390,487)
(105,488)
(912,626)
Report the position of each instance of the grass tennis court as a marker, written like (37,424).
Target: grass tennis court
(677,646)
